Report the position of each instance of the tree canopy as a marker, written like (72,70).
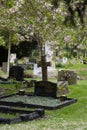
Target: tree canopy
(61,21)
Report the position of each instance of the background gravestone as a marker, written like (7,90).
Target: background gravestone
(62,88)
(52,72)
(4,67)
(17,73)
(45,88)
(12,57)
(67,75)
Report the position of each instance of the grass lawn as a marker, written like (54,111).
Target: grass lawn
(73,117)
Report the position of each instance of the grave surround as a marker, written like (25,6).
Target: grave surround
(44,97)
(24,115)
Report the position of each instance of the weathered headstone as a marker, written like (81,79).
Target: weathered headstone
(74,61)
(45,88)
(62,88)
(67,75)
(4,67)
(17,73)
(44,65)
(16,62)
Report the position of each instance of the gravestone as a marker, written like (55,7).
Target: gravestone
(12,57)
(67,75)
(49,57)
(65,60)
(4,67)
(44,65)
(51,70)
(59,60)
(37,71)
(62,88)
(45,88)
(16,62)
(74,61)
(17,73)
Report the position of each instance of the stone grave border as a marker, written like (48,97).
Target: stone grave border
(64,102)
(25,115)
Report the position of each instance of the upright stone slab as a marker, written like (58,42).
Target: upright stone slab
(4,67)
(45,88)
(67,75)
(12,57)
(62,88)
(17,73)
(37,71)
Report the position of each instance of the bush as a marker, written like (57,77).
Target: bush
(60,65)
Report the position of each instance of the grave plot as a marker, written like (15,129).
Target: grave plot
(18,115)
(43,97)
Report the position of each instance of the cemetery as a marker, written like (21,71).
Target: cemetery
(43,65)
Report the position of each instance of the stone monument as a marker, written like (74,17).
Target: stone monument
(67,75)
(44,65)
(4,67)
(12,58)
(49,58)
(52,72)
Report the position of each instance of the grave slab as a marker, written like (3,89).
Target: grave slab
(33,101)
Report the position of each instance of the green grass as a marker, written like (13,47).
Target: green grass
(73,117)
(76,66)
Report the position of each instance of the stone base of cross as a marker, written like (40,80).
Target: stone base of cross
(44,65)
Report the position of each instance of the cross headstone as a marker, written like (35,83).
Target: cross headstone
(44,65)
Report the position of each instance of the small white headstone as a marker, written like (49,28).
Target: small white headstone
(37,71)
(65,60)
(12,57)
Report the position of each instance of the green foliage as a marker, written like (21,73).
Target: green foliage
(60,65)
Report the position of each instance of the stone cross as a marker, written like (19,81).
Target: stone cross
(44,65)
